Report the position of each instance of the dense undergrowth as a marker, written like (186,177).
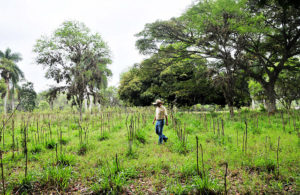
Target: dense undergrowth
(117,151)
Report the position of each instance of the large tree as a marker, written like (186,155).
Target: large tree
(77,59)
(270,36)
(241,36)
(201,33)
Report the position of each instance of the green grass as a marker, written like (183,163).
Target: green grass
(85,161)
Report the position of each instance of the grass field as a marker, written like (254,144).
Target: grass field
(117,151)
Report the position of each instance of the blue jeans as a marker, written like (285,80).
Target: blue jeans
(159,126)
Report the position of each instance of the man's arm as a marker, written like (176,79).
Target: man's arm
(154,120)
(167,120)
(166,115)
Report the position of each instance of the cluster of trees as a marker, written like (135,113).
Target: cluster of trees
(213,51)
(10,90)
(75,58)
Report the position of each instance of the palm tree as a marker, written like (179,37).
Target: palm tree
(10,70)
(14,80)
(15,57)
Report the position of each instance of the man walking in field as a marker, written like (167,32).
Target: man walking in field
(160,115)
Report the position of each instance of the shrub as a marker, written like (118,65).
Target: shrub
(64,141)
(262,164)
(36,149)
(205,185)
(188,169)
(103,137)
(25,185)
(66,160)
(176,187)
(57,176)
(50,144)
(112,181)
(180,147)
(83,148)
(262,108)
(141,136)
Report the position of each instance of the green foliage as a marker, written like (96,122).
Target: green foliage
(3,88)
(9,69)
(83,70)
(10,73)
(66,160)
(287,87)
(188,170)
(64,141)
(243,39)
(26,184)
(109,97)
(37,148)
(113,181)
(205,185)
(27,97)
(104,136)
(265,164)
(256,90)
(140,136)
(180,147)
(57,176)
(83,148)
(180,82)
(50,144)
(43,105)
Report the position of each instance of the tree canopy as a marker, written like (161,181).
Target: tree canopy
(240,40)
(27,97)
(76,59)
(180,82)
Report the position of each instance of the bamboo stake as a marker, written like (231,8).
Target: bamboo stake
(198,171)
(278,158)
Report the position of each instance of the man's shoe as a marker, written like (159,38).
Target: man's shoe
(165,139)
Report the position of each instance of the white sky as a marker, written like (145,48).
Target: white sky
(22,22)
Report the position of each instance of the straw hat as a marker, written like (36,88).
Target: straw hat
(157,102)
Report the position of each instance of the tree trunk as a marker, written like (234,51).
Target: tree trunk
(271,98)
(6,97)
(12,98)
(80,111)
(231,111)
(5,101)
(253,104)
(86,104)
(90,105)
(51,105)
(287,104)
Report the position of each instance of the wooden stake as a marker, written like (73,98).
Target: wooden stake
(198,171)
(246,139)
(117,162)
(225,182)
(2,173)
(202,160)
(278,158)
